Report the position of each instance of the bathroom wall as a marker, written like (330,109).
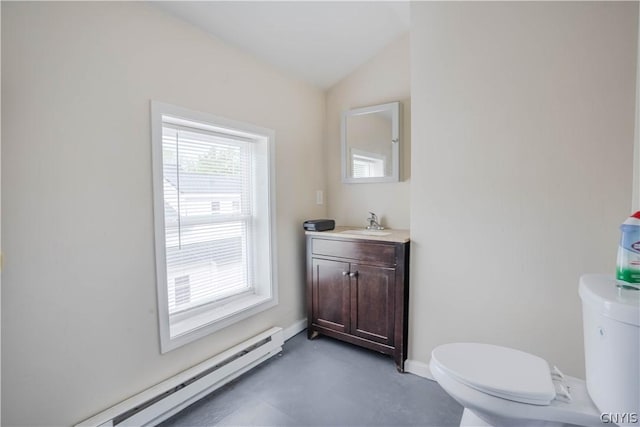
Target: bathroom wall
(524,113)
(0,216)
(384,78)
(636,156)
(79,322)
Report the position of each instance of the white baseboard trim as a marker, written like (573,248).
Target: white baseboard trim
(294,329)
(418,368)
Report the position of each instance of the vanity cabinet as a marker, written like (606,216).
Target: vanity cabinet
(358,291)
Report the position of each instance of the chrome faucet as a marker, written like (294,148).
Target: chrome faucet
(373,222)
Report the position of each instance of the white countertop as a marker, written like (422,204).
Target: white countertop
(386,235)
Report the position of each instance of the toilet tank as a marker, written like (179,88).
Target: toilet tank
(611,321)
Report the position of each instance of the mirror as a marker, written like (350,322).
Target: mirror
(371,144)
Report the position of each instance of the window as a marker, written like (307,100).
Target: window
(367,165)
(213,187)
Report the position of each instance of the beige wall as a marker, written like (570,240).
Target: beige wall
(385,78)
(524,114)
(1,268)
(525,117)
(636,157)
(79,322)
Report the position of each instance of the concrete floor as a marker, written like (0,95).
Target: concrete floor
(324,382)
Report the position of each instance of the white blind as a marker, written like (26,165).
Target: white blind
(207,209)
(366,167)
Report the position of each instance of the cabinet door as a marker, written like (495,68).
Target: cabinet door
(330,287)
(372,303)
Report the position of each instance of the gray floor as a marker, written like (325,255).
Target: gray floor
(324,382)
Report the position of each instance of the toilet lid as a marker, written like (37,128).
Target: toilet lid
(498,371)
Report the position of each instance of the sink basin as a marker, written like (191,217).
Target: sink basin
(364,232)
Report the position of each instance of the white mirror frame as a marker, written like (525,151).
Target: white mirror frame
(394,108)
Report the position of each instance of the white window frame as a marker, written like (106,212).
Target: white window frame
(181,328)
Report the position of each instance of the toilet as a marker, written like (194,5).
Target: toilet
(504,387)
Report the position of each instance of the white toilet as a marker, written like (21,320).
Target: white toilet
(503,387)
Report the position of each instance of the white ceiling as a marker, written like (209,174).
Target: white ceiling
(319,42)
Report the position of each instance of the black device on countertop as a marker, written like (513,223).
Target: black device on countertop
(319,224)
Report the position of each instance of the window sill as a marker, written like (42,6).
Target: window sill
(217,317)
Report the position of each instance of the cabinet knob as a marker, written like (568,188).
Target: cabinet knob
(345,273)
(354,274)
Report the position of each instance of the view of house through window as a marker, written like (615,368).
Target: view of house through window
(207,210)
(213,250)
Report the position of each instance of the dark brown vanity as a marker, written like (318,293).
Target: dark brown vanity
(358,288)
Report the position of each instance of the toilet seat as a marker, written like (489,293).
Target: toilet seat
(499,371)
(472,390)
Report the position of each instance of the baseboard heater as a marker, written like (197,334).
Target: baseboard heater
(163,400)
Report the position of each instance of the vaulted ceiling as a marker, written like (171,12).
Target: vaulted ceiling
(319,42)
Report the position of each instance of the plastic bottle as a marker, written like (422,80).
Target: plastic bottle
(628,265)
